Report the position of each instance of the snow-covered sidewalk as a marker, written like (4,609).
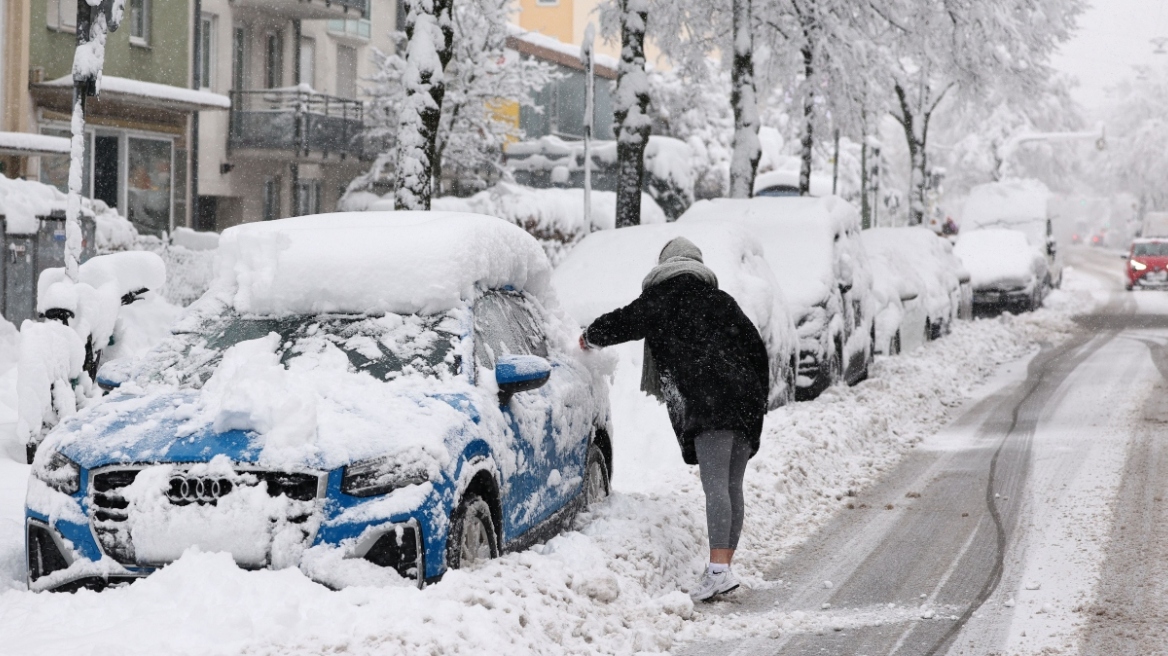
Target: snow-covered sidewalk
(613,586)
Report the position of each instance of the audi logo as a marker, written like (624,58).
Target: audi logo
(203,489)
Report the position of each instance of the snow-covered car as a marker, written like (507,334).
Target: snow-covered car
(920,286)
(1022,205)
(368,396)
(785,183)
(605,271)
(813,247)
(1005,271)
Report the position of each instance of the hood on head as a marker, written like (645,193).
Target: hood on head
(679,247)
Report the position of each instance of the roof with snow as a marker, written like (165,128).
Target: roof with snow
(375,262)
(1001,204)
(24,143)
(552,49)
(147,94)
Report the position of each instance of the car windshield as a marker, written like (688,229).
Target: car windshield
(1150,249)
(385,347)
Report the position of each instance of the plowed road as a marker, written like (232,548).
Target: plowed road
(1036,523)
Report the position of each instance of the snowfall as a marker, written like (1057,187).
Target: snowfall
(616,584)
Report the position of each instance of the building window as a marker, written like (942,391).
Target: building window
(207,45)
(271,198)
(238,58)
(55,168)
(346,72)
(148,184)
(274,60)
(62,15)
(307,197)
(359,28)
(139,19)
(308,61)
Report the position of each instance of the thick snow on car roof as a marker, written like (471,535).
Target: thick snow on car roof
(797,234)
(996,256)
(374,262)
(920,261)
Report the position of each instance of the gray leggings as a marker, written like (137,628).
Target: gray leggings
(722,457)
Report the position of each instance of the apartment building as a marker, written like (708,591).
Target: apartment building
(293,70)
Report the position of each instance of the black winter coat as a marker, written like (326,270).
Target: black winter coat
(713,364)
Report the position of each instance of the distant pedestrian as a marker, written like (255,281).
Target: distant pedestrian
(707,362)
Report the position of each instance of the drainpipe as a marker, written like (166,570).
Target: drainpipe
(196,83)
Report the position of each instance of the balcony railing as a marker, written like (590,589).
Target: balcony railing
(296,120)
(309,9)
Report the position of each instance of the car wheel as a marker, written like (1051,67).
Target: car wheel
(596,483)
(1128,287)
(894,344)
(473,539)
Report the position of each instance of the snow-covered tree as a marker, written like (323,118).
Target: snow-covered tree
(482,72)
(429,33)
(1137,150)
(632,123)
(693,108)
(943,48)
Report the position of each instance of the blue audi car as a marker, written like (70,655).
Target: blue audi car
(395,388)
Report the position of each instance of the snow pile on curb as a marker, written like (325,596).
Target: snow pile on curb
(614,586)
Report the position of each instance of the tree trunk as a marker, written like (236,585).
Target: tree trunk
(429,32)
(918,180)
(865,201)
(808,122)
(632,124)
(744,161)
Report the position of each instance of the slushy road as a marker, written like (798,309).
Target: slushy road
(1035,523)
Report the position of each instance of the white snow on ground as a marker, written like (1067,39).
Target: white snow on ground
(613,586)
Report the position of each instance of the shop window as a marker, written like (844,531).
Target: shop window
(148,184)
(55,168)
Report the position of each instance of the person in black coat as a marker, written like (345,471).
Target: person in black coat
(706,360)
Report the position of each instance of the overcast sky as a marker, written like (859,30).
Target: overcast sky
(1113,36)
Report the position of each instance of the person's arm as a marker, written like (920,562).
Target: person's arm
(625,324)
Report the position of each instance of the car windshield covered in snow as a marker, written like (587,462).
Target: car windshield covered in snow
(386,347)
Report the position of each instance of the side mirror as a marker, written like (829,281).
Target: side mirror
(520,373)
(905,297)
(112,374)
(845,287)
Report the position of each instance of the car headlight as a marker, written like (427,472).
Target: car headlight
(379,476)
(1138,266)
(60,473)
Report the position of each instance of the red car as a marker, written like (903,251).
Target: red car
(1147,265)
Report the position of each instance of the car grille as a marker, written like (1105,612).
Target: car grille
(109,509)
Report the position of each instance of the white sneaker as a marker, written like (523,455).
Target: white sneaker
(713,584)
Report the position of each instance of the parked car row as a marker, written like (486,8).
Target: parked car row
(405,389)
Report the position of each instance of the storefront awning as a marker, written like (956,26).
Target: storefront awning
(136,93)
(23,143)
